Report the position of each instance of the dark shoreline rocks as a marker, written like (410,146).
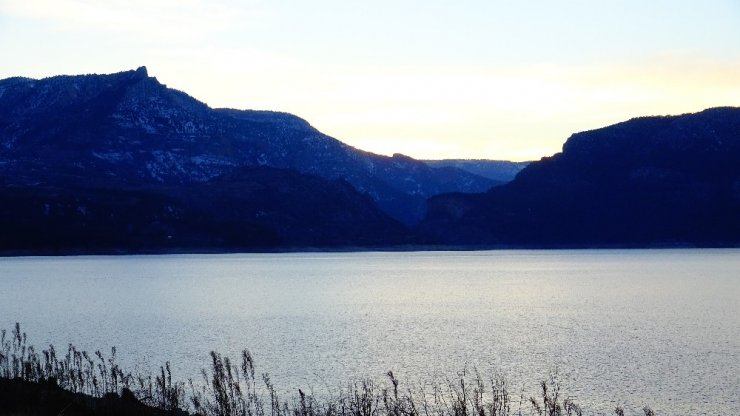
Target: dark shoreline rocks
(20,397)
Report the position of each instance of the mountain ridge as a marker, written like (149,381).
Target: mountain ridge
(500,171)
(646,181)
(120,162)
(133,128)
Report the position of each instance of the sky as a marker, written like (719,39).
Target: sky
(430,79)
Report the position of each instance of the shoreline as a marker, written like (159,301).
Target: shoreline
(359,249)
(48,383)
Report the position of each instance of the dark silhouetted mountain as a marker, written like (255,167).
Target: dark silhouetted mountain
(500,171)
(129,129)
(120,162)
(252,208)
(647,181)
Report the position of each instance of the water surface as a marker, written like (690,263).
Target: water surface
(633,327)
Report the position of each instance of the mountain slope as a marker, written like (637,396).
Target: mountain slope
(257,208)
(500,171)
(127,128)
(651,180)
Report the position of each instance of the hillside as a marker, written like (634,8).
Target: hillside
(500,171)
(253,209)
(121,163)
(129,129)
(646,181)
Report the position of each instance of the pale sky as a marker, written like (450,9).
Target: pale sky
(430,79)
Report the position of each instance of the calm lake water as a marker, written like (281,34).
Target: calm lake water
(627,327)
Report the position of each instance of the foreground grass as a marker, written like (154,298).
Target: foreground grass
(79,383)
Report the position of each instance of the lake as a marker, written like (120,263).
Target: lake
(620,327)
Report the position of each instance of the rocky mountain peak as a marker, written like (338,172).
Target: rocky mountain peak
(141,72)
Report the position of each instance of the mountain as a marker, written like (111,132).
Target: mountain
(128,129)
(257,208)
(500,171)
(646,181)
(121,163)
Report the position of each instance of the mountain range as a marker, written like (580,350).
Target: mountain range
(122,163)
(129,129)
(648,181)
(499,171)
